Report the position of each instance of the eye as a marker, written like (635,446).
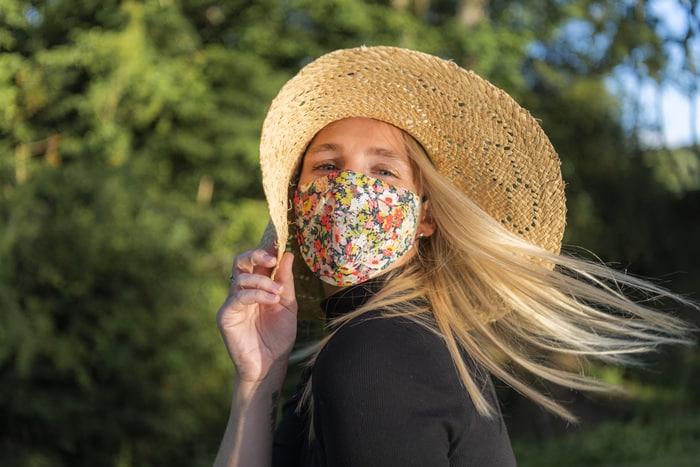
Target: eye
(386,172)
(326,167)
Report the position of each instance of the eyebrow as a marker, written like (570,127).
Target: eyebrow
(323,147)
(387,153)
(380,151)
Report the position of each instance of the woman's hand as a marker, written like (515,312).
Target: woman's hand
(258,321)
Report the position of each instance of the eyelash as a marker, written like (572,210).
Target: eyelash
(328,167)
(388,173)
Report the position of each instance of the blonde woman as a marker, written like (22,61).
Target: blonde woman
(426,211)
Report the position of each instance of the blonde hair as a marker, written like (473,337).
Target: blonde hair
(515,308)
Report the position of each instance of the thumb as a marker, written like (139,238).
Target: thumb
(285,277)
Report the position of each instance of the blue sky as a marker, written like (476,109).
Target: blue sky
(675,105)
(675,117)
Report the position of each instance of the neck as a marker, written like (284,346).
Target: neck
(329,290)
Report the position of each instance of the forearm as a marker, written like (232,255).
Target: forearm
(247,441)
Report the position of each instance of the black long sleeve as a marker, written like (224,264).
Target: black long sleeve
(386,393)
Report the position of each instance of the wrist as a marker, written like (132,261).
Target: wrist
(249,431)
(271,381)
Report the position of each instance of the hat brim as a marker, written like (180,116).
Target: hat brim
(476,135)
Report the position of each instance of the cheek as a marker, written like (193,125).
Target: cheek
(303,175)
(305,178)
(306,174)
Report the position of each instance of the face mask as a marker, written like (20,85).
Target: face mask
(350,227)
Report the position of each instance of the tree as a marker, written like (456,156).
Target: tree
(128,178)
(109,353)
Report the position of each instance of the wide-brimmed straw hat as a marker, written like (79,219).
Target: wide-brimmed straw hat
(476,135)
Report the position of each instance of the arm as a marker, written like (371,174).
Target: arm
(247,440)
(258,325)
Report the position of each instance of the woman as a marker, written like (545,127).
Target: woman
(428,208)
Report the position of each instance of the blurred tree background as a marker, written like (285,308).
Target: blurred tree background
(128,180)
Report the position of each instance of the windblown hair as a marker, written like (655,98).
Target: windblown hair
(515,308)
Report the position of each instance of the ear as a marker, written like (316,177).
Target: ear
(426,226)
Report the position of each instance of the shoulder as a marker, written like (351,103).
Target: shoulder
(373,355)
(386,343)
(386,393)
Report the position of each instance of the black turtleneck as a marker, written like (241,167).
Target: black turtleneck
(386,393)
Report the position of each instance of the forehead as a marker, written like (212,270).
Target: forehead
(361,131)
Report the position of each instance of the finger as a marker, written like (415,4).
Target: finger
(285,277)
(236,304)
(250,260)
(257,281)
(248,297)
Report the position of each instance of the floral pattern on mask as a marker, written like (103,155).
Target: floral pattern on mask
(350,227)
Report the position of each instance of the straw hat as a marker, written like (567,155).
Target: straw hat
(477,136)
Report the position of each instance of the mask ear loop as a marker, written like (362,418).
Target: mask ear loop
(425,215)
(423,199)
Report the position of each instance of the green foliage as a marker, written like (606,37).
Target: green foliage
(128,180)
(671,440)
(104,324)
(677,170)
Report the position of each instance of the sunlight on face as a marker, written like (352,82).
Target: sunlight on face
(362,145)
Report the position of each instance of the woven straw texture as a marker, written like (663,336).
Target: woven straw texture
(477,136)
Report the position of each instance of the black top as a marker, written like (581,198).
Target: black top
(386,393)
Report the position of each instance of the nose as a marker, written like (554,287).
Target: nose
(355,163)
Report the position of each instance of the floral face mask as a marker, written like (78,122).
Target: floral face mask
(350,227)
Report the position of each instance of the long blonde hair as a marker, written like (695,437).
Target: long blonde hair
(514,307)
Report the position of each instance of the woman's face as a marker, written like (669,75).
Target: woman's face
(362,145)
(366,146)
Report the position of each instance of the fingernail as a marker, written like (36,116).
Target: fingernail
(268,257)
